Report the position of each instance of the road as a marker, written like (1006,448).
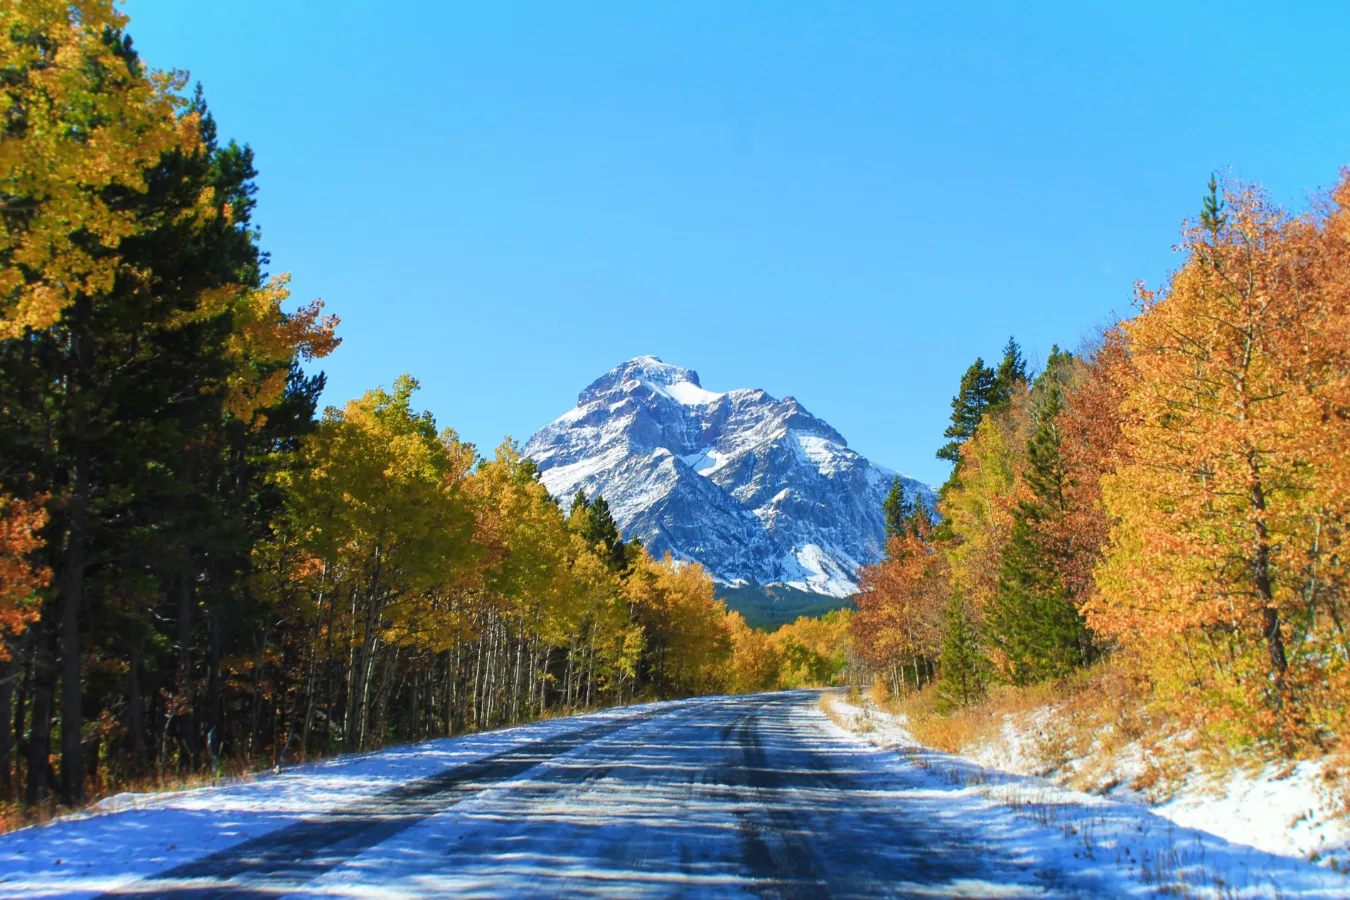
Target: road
(739,796)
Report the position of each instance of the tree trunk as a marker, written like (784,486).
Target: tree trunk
(44,693)
(135,711)
(8,672)
(357,702)
(72,591)
(183,688)
(215,711)
(24,686)
(1270,615)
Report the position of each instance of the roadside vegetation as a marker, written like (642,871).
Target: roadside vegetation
(1148,536)
(201,573)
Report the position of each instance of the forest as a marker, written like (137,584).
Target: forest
(1171,500)
(201,573)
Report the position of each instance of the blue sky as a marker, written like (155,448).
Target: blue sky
(845,202)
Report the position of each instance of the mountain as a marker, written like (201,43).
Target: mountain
(756,489)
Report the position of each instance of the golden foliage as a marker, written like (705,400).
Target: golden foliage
(900,603)
(81,119)
(1228,513)
(264,340)
(978,510)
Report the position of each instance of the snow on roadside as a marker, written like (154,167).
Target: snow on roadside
(1243,836)
(133,836)
(1287,809)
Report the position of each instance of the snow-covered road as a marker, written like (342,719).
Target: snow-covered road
(725,796)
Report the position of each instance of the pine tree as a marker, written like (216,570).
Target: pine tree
(961,664)
(594,522)
(1011,372)
(896,510)
(1032,621)
(972,400)
(918,520)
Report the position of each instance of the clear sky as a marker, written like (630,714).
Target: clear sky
(845,202)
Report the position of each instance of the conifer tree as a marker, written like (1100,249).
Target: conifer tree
(961,664)
(1011,372)
(972,399)
(896,510)
(595,523)
(1032,622)
(918,520)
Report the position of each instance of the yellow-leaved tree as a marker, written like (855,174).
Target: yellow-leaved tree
(82,121)
(1234,399)
(378,504)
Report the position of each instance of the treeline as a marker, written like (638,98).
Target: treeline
(199,573)
(1174,496)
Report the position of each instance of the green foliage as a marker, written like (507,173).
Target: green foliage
(1011,372)
(961,663)
(896,510)
(919,521)
(982,390)
(593,520)
(972,399)
(769,606)
(1032,623)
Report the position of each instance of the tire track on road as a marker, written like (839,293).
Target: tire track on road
(264,866)
(776,854)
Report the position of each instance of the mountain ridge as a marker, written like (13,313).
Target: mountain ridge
(755,488)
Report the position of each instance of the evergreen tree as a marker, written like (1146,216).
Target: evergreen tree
(594,522)
(973,398)
(1011,372)
(118,412)
(896,510)
(918,520)
(1032,620)
(633,553)
(961,664)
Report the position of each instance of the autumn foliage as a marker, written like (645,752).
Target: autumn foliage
(21,578)
(1223,566)
(1176,496)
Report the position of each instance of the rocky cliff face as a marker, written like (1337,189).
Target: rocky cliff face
(756,489)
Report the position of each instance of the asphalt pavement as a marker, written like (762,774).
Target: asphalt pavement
(731,796)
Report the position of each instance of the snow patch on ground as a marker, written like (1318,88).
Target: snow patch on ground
(1247,835)
(1285,808)
(132,836)
(704,462)
(689,394)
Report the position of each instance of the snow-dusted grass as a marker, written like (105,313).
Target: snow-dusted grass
(1243,835)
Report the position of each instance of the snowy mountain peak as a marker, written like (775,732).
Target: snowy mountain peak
(653,375)
(756,489)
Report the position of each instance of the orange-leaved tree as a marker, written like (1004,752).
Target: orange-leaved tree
(897,626)
(20,578)
(1229,409)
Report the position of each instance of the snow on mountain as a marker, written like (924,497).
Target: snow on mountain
(754,488)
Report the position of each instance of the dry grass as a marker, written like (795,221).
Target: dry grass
(859,724)
(1088,720)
